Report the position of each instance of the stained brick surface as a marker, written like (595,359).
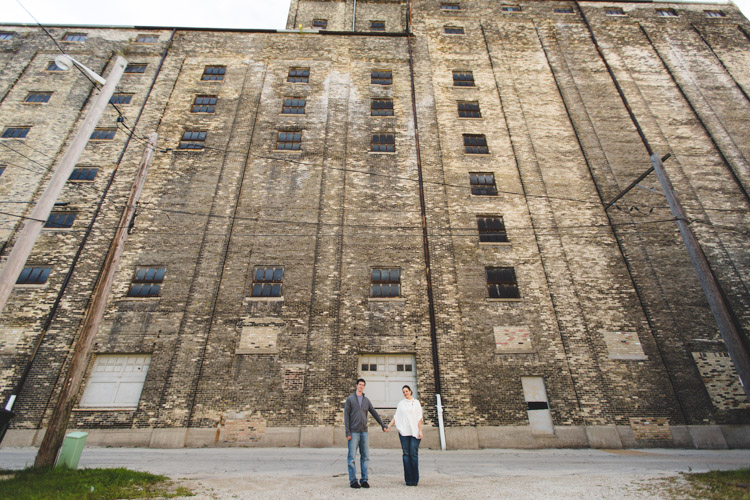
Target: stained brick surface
(610,314)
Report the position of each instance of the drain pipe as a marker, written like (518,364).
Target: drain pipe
(425,241)
(354,14)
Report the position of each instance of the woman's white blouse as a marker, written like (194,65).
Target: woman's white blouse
(407,417)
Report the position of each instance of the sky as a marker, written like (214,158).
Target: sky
(245,14)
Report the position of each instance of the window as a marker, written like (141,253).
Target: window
(15,132)
(192,139)
(714,13)
(147,39)
(204,104)
(116,381)
(6,36)
(614,11)
(214,73)
(289,140)
(121,98)
(2,170)
(463,79)
(381,107)
(51,66)
(60,220)
(147,282)
(320,23)
(564,10)
(83,174)
(510,8)
(453,30)
(298,75)
(385,283)
(293,106)
(34,276)
(501,283)
(74,37)
(666,12)
(383,143)
(475,144)
(450,6)
(377,25)
(483,184)
(381,77)
(135,68)
(491,229)
(469,109)
(103,134)
(267,281)
(38,97)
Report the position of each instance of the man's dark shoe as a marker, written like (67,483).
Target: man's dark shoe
(354,484)
(364,484)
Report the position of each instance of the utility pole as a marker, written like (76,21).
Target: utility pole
(61,172)
(727,327)
(58,423)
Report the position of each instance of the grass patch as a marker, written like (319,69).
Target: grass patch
(720,485)
(94,484)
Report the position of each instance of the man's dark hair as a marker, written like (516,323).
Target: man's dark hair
(361,380)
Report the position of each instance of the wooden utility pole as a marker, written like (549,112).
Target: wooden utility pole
(728,329)
(58,423)
(61,172)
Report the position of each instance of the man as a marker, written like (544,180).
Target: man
(355,422)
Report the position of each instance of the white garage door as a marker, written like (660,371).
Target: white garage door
(385,375)
(116,381)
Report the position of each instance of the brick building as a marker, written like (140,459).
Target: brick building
(340,200)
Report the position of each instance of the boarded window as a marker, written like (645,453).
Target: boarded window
(147,282)
(491,229)
(193,140)
(289,141)
(267,281)
(501,283)
(483,184)
(463,79)
(382,77)
(214,73)
(385,283)
(381,107)
(383,143)
(298,75)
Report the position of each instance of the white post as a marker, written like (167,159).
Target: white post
(61,172)
(440,422)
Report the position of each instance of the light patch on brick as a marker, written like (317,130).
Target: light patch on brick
(651,429)
(243,427)
(259,336)
(294,378)
(510,339)
(9,338)
(721,380)
(624,345)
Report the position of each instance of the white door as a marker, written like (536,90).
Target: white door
(116,381)
(540,418)
(385,375)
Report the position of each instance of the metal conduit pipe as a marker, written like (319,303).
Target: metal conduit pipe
(425,242)
(354,14)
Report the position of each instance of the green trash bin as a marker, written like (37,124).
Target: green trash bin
(70,453)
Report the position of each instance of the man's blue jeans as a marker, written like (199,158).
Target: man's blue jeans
(410,448)
(358,440)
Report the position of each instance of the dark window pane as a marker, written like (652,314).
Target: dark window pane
(135,68)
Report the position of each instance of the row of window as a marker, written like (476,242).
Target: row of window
(87,174)
(291,140)
(610,11)
(385,283)
(322,24)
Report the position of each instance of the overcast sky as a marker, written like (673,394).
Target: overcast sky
(268,14)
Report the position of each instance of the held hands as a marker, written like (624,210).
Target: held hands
(348,438)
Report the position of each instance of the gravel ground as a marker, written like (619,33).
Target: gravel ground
(304,473)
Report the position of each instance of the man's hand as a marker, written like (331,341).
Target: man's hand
(385,429)
(348,438)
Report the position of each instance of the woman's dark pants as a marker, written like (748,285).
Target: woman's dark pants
(410,447)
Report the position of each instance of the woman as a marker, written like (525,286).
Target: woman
(408,420)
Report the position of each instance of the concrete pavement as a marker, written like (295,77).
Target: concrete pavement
(279,473)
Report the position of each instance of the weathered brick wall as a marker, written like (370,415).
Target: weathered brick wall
(610,314)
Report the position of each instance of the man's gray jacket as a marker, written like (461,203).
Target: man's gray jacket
(355,416)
